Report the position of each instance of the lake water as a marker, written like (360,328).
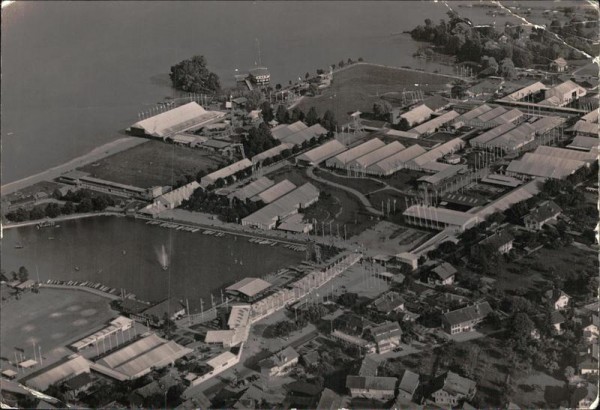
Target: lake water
(74,73)
(123,253)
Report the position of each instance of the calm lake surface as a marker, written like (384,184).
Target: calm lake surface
(123,253)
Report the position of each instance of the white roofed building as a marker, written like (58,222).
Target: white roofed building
(439,218)
(252,189)
(248,288)
(272,152)
(375,156)
(172,199)
(395,162)
(276,191)
(436,153)
(342,159)
(273,213)
(435,123)
(225,172)
(183,118)
(417,115)
(285,130)
(138,358)
(319,154)
(57,372)
(565,93)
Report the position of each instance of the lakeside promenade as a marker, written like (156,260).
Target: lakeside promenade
(96,154)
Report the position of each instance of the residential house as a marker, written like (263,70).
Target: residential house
(408,385)
(584,397)
(443,274)
(588,364)
(280,363)
(375,388)
(502,241)
(465,319)
(368,367)
(302,394)
(451,389)
(563,94)
(591,325)
(310,358)
(78,384)
(329,401)
(556,320)
(557,299)
(559,65)
(389,303)
(387,336)
(547,211)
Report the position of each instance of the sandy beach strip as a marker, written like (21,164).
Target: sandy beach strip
(96,154)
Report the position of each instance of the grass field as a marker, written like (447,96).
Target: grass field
(51,319)
(359,86)
(153,163)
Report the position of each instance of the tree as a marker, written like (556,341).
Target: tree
(68,208)
(85,205)
(458,91)
(382,109)
(282,116)
(297,115)
(192,76)
(253,99)
(360,59)
(174,395)
(278,86)
(267,111)
(52,210)
(37,213)
(307,75)
(328,121)
(341,64)
(99,203)
(23,274)
(312,117)
(507,69)
(403,125)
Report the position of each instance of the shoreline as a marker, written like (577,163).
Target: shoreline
(95,154)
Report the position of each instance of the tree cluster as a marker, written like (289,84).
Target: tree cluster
(192,76)
(230,210)
(259,139)
(80,201)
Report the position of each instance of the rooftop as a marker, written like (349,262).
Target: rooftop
(249,286)
(474,312)
(371,383)
(444,271)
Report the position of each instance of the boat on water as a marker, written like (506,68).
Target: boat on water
(45,224)
(77,268)
(19,246)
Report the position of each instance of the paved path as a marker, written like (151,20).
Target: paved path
(363,199)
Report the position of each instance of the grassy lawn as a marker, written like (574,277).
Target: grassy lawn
(362,185)
(404,179)
(51,318)
(153,163)
(360,86)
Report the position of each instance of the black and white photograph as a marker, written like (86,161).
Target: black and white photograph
(299,204)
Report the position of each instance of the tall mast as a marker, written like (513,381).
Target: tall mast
(258,51)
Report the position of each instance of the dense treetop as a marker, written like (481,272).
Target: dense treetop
(192,76)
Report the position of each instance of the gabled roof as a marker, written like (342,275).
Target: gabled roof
(368,367)
(560,62)
(557,318)
(435,102)
(553,295)
(474,312)
(371,383)
(356,152)
(543,212)
(279,359)
(276,191)
(455,384)
(322,152)
(417,114)
(409,382)
(444,271)
(388,302)
(249,286)
(498,239)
